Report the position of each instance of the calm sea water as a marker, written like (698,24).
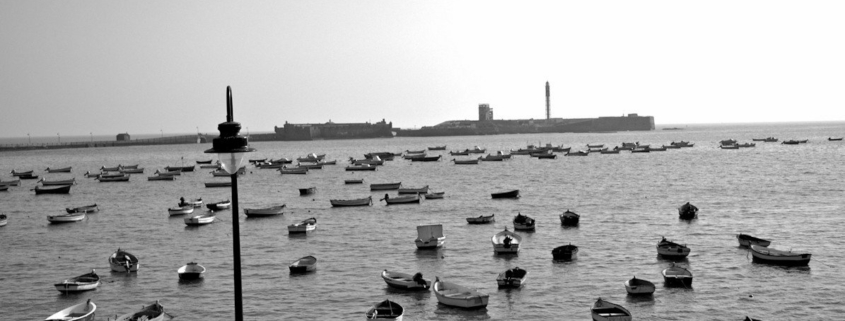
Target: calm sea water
(792,195)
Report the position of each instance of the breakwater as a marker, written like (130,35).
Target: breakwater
(185,139)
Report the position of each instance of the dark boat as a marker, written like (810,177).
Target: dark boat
(307,191)
(577,153)
(191,271)
(219,205)
(460,153)
(303,265)
(61,189)
(387,310)
(19,173)
(204,161)
(481,219)
(508,194)
(367,201)
(746,240)
(565,253)
(354,181)
(606,311)
(835,139)
(363,167)
(677,276)
(523,222)
(687,211)
(569,218)
(178,168)
(512,278)
(426,159)
(438,148)
(28,176)
(766,255)
(83,209)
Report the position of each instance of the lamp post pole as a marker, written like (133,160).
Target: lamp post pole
(236,249)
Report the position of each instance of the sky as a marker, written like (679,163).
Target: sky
(106,67)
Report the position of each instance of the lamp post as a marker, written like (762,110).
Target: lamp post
(230,148)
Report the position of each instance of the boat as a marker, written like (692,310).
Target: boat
(834,139)
(430,236)
(671,250)
(466,161)
(93,208)
(413,156)
(657,149)
(304,226)
(386,310)
(729,146)
(766,255)
(131,170)
(191,271)
(746,240)
(354,181)
(128,166)
(412,199)
(569,218)
(123,178)
(385,186)
(14,182)
(66,218)
(307,191)
(309,166)
(421,190)
(369,161)
(508,194)
(506,242)
(322,162)
(746,145)
(637,286)
(613,151)
(426,159)
(80,312)
(476,150)
(161,178)
(202,219)
(790,142)
(482,219)
(405,281)
(303,265)
(421,151)
(512,278)
(85,282)
(28,177)
(180,168)
(122,261)
(180,210)
(221,173)
(565,253)
(270,165)
(60,189)
(152,312)
(595,145)
(293,170)
(3,220)
(257,160)
(197,202)
(218,184)
(640,150)
(362,167)
(523,222)
(577,153)
(494,158)
(596,150)
(434,196)
(677,276)
(728,142)
(606,311)
(459,153)
(204,166)
(58,170)
(367,201)
(672,146)
(21,173)
(219,205)
(267,211)
(767,139)
(687,211)
(437,148)
(168,173)
(547,156)
(452,294)
(110,169)
(206,162)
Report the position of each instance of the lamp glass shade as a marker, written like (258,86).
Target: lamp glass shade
(231,162)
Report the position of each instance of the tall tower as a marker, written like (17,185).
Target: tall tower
(548,102)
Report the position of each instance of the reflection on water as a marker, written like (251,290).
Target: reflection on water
(460,313)
(640,299)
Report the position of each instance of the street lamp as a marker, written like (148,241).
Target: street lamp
(230,149)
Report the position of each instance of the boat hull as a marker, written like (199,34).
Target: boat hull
(565,253)
(385,187)
(199,220)
(350,203)
(481,219)
(639,287)
(508,194)
(270,211)
(606,311)
(66,218)
(748,240)
(431,243)
(52,190)
(218,184)
(386,310)
(76,286)
(775,257)
(404,281)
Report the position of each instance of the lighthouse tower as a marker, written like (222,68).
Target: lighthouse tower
(548,102)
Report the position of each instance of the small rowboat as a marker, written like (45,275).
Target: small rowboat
(746,240)
(385,186)
(122,178)
(362,167)
(85,282)
(131,170)
(434,196)
(367,201)
(3,220)
(565,253)
(222,173)
(386,310)
(304,226)
(459,153)
(180,168)
(191,271)
(58,170)
(267,211)
(210,166)
(508,194)
(27,176)
(777,257)
(222,205)
(304,265)
(295,170)
(307,191)
(405,281)
(413,199)
(421,190)
(579,153)
(546,156)
(677,276)
(218,184)
(481,219)
(460,296)
(19,173)
(181,210)
(160,178)
(122,261)
(835,139)
(430,236)
(421,151)
(606,311)
(506,242)
(309,166)
(426,159)
(729,146)
(569,218)
(523,222)
(15,182)
(61,189)
(512,278)
(466,161)
(80,312)
(321,162)
(270,165)
(437,148)
(4,188)
(169,173)
(93,208)
(257,160)
(153,312)
(353,181)
(637,286)
(671,250)
(66,218)
(204,161)
(110,169)
(129,166)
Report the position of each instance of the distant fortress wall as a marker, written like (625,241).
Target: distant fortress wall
(632,122)
(334,131)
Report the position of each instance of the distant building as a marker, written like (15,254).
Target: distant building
(123,137)
(485,113)
(331,130)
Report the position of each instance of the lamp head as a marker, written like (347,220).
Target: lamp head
(229,146)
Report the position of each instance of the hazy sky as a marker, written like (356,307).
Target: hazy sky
(106,67)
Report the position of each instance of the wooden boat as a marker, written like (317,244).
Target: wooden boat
(430,236)
(494,158)
(307,190)
(180,210)
(834,139)
(413,156)
(385,186)
(202,219)
(546,156)
(426,159)
(85,282)
(180,168)
(267,211)
(153,312)
(421,190)
(219,205)
(506,242)
(168,173)
(512,278)
(371,162)
(405,281)
(218,184)
(508,194)
(110,169)
(14,182)
(191,271)
(160,178)
(577,153)
(93,208)
(21,173)
(672,146)
(3,220)
(362,167)
(204,161)
(672,250)
(421,151)
(596,150)
(746,145)
(412,199)
(4,188)
(746,240)
(257,160)
(466,161)
(777,257)
(353,181)
(303,265)
(481,219)
(595,145)
(304,226)
(322,162)
(66,218)
(437,148)
(367,201)
(523,222)
(656,149)
(687,211)
(197,202)
(386,310)
(459,153)
(61,189)
(452,294)
(123,178)
(58,170)
(28,177)
(790,142)
(637,286)
(122,261)
(309,166)
(729,146)
(476,150)
(677,276)
(131,170)
(434,196)
(607,311)
(565,253)
(293,170)
(270,165)
(640,150)
(569,218)
(767,139)
(80,312)
(728,142)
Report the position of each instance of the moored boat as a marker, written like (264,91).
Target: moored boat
(508,194)
(452,294)
(303,226)
(14,182)
(218,184)
(161,178)
(180,168)
(58,170)
(21,173)
(523,222)
(131,170)
(606,311)
(152,312)
(437,148)
(729,146)
(386,310)
(766,255)
(565,253)
(746,240)
(93,208)
(294,170)
(122,178)
(85,282)
(60,189)
(219,205)
(420,190)
(506,242)
(637,286)
(426,159)
(577,153)
(459,153)
(405,281)
(180,210)
(430,236)
(202,219)
(303,265)
(191,271)
(4,188)
(671,250)
(385,186)
(396,200)
(205,161)
(434,195)
(512,278)
(362,167)
(110,169)
(307,191)
(353,181)
(197,202)
(677,276)
(687,211)
(168,173)
(569,218)
(3,220)
(267,211)
(466,161)
(482,219)
(834,139)
(310,166)
(122,261)
(79,312)
(367,201)
(66,218)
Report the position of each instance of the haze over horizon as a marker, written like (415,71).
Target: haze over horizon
(145,67)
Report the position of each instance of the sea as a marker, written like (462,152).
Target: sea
(789,194)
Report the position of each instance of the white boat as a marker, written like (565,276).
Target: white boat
(434,195)
(169,173)
(3,219)
(386,310)
(430,236)
(746,240)
(80,312)
(160,178)
(677,276)
(85,282)
(637,286)
(405,281)
(512,278)
(303,227)
(219,205)
(304,264)
(45,182)
(452,294)
(93,208)
(569,218)
(672,250)
(153,312)
(181,210)
(191,271)
(506,242)
(766,255)
(122,261)
(267,211)
(197,202)
(606,311)
(66,218)
(202,219)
